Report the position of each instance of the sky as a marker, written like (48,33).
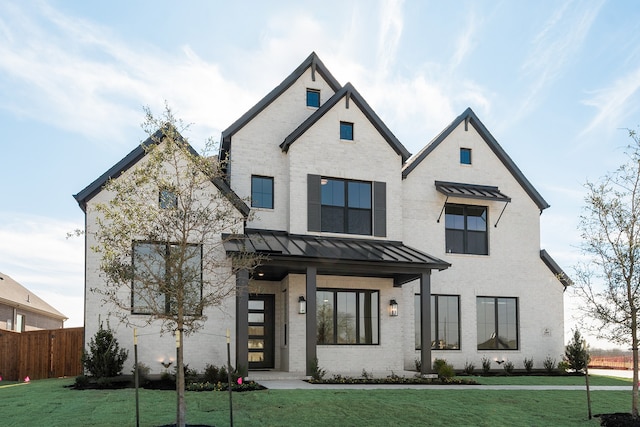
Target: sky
(555,82)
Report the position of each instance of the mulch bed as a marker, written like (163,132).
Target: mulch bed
(619,419)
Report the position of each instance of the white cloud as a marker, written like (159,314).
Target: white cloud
(389,35)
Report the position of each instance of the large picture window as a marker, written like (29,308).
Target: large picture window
(345,206)
(347,316)
(497,323)
(157,268)
(445,322)
(466,229)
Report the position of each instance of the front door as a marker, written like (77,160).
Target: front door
(261,331)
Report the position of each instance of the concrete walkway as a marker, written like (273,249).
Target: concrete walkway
(298,384)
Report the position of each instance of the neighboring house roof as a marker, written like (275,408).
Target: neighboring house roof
(469,117)
(351,94)
(286,253)
(132,158)
(555,269)
(312,62)
(15,295)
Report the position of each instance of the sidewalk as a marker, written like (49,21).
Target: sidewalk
(298,384)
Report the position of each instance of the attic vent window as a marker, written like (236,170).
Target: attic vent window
(346,131)
(313,98)
(465,156)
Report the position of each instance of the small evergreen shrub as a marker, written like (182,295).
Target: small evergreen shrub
(508,367)
(528,364)
(549,364)
(317,373)
(469,368)
(418,364)
(486,365)
(443,369)
(366,375)
(575,354)
(105,358)
(143,372)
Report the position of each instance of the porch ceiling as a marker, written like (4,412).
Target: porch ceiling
(290,253)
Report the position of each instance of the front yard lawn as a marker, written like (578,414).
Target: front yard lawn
(50,403)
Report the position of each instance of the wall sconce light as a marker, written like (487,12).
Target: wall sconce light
(302,305)
(393,308)
(500,362)
(166,363)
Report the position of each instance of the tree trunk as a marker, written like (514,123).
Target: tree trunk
(634,346)
(181,409)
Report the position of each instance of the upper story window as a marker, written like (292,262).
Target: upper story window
(155,265)
(168,199)
(347,316)
(497,323)
(261,192)
(346,206)
(313,98)
(466,229)
(465,156)
(346,131)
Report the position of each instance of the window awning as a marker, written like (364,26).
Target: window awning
(471,191)
(290,253)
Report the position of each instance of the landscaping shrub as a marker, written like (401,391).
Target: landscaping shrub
(443,369)
(317,373)
(418,364)
(105,357)
(528,364)
(486,365)
(549,364)
(575,354)
(143,372)
(469,368)
(508,367)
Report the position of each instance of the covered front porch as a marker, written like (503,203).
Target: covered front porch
(278,314)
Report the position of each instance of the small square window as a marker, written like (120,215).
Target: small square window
(465,156)
(168,199)
(262,192)
(346,131)
(313,98)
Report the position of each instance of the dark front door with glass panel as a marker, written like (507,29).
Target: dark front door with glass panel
(261,331)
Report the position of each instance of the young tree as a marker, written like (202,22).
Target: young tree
(575,353)
(609,281)
(160,237)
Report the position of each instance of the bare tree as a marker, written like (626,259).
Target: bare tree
(160,238)
(608,281)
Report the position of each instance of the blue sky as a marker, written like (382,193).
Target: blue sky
(556,83)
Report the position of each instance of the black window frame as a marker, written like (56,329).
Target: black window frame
(311,100)
(495,336)
(167,300)
(254,202)
(465,156)
(167,199)
(467,243)
(373,329)
(435,323)
(347,210)
(348,128)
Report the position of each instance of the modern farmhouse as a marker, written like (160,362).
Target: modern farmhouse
(374,259)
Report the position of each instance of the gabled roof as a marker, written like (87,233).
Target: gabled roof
(469,117)
(555,269)
(351,94)
(132,158)
(15,295)
(312,62)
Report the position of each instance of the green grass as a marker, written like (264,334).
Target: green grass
(555,380)
(49,403)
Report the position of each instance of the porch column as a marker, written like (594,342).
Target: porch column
(425,323)
(311,318)
(242,320)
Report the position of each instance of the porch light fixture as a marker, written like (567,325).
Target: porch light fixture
(302,305)
(393,308)
(166,363)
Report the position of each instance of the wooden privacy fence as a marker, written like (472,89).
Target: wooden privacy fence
(41,354)
(611,362)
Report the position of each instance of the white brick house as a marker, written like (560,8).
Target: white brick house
(353,228)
